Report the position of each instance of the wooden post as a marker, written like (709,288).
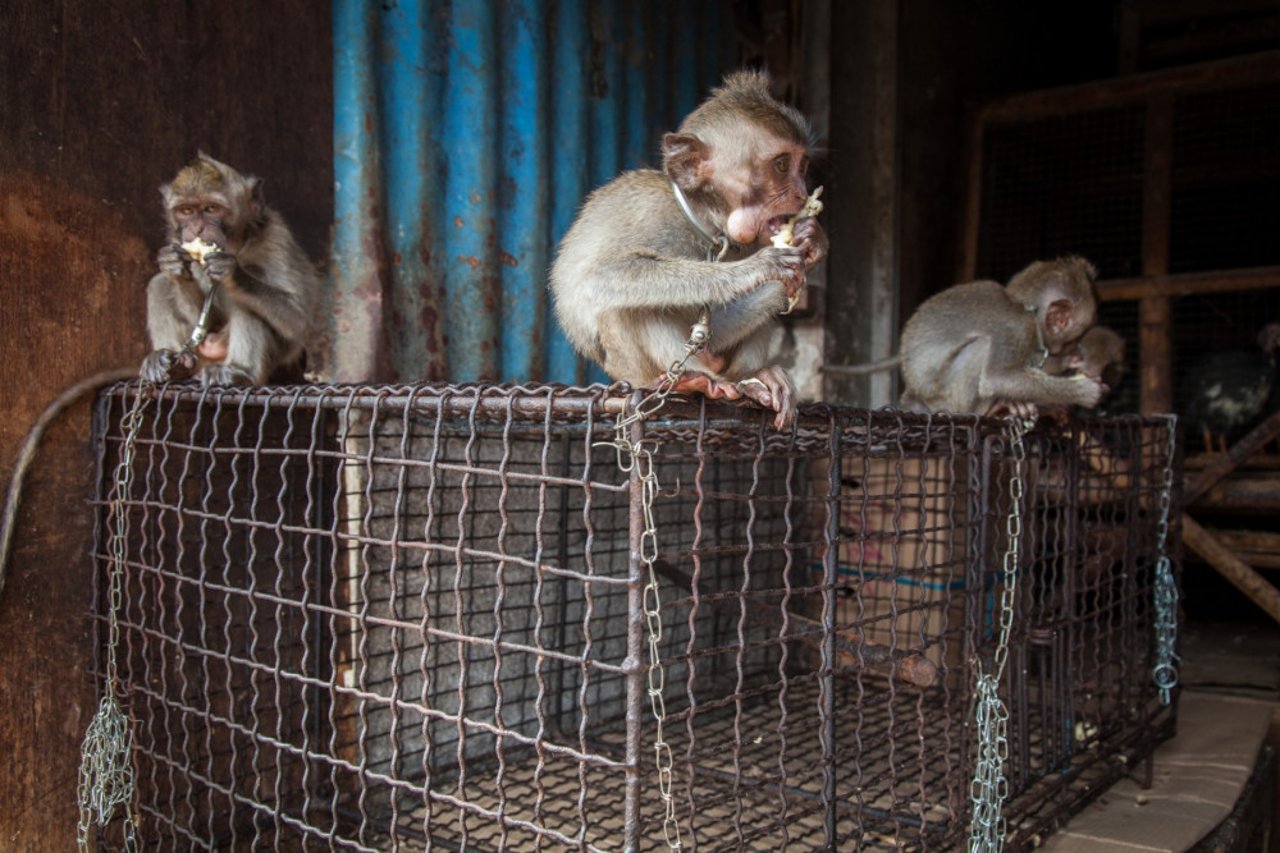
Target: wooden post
(1155,313)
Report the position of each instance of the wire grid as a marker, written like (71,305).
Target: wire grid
(1065,184)
(1072,182)
(1226,178)
(408,618)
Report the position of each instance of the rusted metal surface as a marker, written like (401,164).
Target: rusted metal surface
(103,103)
(377,616)
(467,135)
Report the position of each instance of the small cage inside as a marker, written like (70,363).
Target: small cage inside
(415,617)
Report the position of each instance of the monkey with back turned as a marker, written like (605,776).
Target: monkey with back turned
(632,275)
(982,347)
(223,239)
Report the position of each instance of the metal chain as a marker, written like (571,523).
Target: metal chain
(637,456)
(989,787)
(106,774)
(1165,671)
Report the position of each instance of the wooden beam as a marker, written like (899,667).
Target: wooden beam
(1216,471)
(1260,68)
(1259,590)
(1188,284)
(1155,312)
(1257,548)
(1243,495)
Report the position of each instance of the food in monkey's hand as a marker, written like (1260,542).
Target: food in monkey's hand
(199,250)
(785,235)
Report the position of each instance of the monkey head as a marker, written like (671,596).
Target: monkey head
(210,201)
(1099,354)
(746,183)
(1061,294)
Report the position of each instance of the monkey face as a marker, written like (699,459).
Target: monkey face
(200,218)
(773,192)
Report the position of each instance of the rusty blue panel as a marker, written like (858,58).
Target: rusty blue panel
(570,107)
(356,297)
(524,210)
(466,136)
(410,105)
(471,140)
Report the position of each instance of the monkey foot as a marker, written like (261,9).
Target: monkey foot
(694,381)
(222,374)
(1014,408)
(772,388)
(165,364)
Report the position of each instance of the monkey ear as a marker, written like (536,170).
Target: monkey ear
(683,158)
(1057,316)
(257,202)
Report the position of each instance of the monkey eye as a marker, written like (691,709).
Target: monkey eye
(782,164)
(804,166)
(212,209)
(185,210)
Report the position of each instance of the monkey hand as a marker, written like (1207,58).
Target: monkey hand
(221,267)
(1088,391)
(811,239)
(174,262)
(780,263)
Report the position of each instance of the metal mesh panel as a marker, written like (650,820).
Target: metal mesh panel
(1226,179)
(411,618)
(1069,183)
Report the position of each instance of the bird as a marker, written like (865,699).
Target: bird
(1229,391)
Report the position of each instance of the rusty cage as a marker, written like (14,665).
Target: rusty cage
(411,618)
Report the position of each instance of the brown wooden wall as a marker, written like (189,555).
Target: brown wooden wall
(103,101)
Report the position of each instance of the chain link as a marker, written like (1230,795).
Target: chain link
(637,457)
(989,787)
(1165,671)
(106,774)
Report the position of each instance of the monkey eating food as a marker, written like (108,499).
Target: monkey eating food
(982,348)
(226,246)
(651,250)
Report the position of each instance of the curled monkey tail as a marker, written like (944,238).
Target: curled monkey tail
(865,368)
(27,452)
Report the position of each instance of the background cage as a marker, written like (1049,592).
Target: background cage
(411,618)
(1167,182)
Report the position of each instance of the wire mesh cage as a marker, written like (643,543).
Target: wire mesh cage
(413,617)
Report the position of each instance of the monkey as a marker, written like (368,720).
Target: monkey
(981,348)
(638,266)
(1099,354)
(265,291)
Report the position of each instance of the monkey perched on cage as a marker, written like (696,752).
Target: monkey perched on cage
(634,272)
(981,347)
(231,258)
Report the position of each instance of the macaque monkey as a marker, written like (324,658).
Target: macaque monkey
(1099,354)
(221,235)
(982,348)
(637,268)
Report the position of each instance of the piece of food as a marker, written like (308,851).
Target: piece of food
(812,207)
(198,249)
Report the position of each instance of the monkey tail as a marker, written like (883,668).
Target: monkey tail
(865,368)
(27,452)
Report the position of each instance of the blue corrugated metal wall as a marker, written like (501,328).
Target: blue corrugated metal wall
(466,134)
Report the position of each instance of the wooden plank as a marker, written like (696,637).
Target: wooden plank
(1188,284)
(1246,495)
(1259,590)
(1214,473)
(1259,67)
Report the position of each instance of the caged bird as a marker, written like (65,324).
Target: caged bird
(1229,392)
